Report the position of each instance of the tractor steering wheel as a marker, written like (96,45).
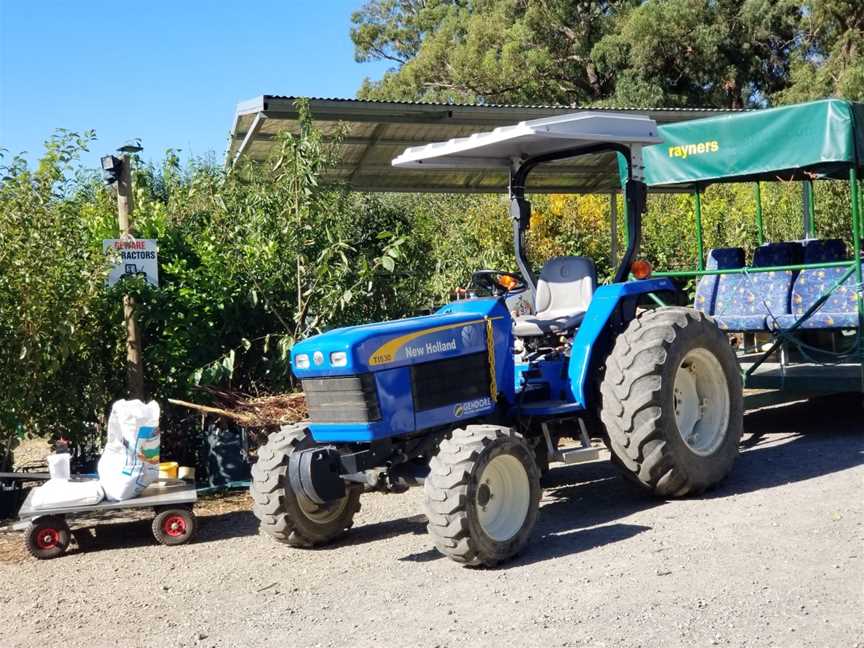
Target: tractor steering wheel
(492,280)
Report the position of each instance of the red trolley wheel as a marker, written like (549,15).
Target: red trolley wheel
(174,526)
(47,537)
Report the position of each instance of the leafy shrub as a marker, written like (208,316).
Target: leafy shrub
(55,356)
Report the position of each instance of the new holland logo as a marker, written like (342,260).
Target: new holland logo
(471,406)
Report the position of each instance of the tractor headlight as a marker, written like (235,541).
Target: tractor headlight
(338,359)
(301,361)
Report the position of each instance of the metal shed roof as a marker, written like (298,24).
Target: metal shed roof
(375,132)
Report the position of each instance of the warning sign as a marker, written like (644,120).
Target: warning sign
(135,257)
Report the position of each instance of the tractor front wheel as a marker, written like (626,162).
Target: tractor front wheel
(289,516)
(482,494)
(672,402)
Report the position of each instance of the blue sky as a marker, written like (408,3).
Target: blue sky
(169,73)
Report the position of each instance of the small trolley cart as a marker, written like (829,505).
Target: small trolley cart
(47,531)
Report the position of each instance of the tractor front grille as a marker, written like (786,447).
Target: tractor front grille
(342,399)
(453,380)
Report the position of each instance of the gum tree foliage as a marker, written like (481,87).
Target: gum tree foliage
(624,52)
(492,50)
(829,60)
(722,53)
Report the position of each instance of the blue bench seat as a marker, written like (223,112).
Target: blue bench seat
(746,302)
(840,310)
(706,289)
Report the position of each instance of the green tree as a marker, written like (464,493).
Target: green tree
(53,353)
(485,50)
(625,52)
(829,60)
(696,53)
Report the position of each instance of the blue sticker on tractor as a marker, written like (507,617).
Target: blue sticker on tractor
(454,412)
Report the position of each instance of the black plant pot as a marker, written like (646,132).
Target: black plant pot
(224,454)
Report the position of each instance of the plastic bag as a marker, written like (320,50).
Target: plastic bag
(61,493)
(59,465)
(130,460)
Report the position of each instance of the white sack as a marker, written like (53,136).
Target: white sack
(61,493)
(58,465)
(130,460)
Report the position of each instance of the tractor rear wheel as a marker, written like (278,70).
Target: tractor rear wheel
(289,516)
(672,402)
(482,494)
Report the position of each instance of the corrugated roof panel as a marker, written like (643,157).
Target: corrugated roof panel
(378,131)
(570,107)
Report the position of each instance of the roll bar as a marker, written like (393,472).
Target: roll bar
(635,193)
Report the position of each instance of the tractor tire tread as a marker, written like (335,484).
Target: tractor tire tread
(269,475)
(446,491)
(631,391)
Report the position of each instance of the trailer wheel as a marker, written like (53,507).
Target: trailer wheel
(288,516)
(482,494)
(47,537)
(672,402)
(174,526)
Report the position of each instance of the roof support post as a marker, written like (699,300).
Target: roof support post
(856,247)
(250,135)
(760,228)
(626,222)
(809,209)
(697,205)
(861,207)
(635,194)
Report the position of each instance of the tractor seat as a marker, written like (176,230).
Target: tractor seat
(564,291)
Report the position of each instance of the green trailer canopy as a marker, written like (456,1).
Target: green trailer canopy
(799,142)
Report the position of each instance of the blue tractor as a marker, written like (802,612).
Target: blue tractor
(475,401)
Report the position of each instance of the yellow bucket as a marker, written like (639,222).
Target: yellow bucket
(168,470)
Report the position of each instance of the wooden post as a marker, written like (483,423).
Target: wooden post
(134,361)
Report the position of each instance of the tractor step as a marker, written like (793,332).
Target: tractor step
(549,408)
(584,452)
(578,455)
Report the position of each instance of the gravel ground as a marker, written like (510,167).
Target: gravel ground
(773,557)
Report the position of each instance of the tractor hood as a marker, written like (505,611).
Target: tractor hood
(455,329)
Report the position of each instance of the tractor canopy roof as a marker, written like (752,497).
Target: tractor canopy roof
(503,146)
(819,139)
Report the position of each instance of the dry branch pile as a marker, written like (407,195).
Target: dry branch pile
(253,412)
